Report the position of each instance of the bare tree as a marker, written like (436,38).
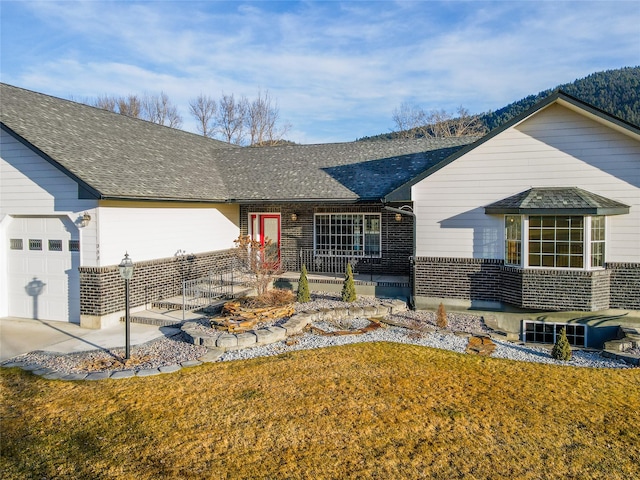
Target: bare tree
(154,108)
(411,122)
(105,102)
(203,108)
(231,117)
(159,109)
(444,124)
(129,106)
(262,121)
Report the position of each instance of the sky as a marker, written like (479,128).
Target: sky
(336,69)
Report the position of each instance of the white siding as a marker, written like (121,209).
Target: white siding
(554,148)
(31,187)
(156,230)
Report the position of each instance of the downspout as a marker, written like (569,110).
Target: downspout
(408,210)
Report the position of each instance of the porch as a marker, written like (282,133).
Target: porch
(378,285)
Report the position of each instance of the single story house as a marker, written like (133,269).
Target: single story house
(543,212)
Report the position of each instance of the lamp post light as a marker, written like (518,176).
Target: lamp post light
(126,272)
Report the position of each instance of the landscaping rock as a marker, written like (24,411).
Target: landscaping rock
(480,345)
(247,339)
(227,340)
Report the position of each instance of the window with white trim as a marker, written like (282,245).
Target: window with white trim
(555,241)
(513,240)
(597,241)
(347,234)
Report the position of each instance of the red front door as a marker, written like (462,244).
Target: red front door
(265,227)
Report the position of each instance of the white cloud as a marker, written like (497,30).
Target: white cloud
(336,69)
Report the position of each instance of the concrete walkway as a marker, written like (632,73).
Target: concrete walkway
(19,335)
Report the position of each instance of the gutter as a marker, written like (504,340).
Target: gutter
(408,210)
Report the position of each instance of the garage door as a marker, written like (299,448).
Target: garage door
(43,260)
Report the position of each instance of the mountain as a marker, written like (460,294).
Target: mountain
(614,91)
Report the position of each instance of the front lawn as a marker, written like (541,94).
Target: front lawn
(372,410)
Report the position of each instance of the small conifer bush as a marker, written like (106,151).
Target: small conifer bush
(441,317)
(304,295)
(562,350)
(348,287)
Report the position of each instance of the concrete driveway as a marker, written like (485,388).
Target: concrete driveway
(20,335)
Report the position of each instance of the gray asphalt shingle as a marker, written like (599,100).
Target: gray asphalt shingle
(557,200)
(121,157)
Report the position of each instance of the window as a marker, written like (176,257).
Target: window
(513,240)
(55,245)
(597,241)
(15,244)
(541,332)
(35,244)
(347,234)
(556,241)
(74,245)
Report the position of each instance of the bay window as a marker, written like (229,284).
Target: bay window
(555,241)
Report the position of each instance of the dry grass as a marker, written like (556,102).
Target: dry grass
(361,411)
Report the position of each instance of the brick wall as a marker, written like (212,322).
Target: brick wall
(396,241)
(102,289)
(565,290)
(490,280)
(625,285)
(459,278)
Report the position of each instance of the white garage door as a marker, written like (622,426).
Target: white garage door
(43,260)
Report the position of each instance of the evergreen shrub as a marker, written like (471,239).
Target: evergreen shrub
(348,287)
(304,295)
(562,349)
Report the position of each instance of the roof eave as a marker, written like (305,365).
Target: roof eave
(622,210)
(82,185)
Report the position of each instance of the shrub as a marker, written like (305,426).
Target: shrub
(348,287)
(271,298)
(441,317)
(562,350)
(261,261)
(303,287)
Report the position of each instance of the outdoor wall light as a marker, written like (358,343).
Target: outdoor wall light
(84,220)
(126,272)
(294,217)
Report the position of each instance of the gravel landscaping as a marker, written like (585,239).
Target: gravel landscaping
(410,327)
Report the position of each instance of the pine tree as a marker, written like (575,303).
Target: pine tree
(562,350)
(441,318)
(303,287)
(348,287)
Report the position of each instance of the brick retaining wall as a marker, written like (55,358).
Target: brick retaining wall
(468,279)
(102,288)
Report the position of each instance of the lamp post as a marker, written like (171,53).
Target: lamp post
(126,272)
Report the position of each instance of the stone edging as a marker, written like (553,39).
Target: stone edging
(294,325)
(211,356)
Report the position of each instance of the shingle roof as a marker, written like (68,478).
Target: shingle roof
(111,154)
(342,171)
(114,156)
(558,201)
